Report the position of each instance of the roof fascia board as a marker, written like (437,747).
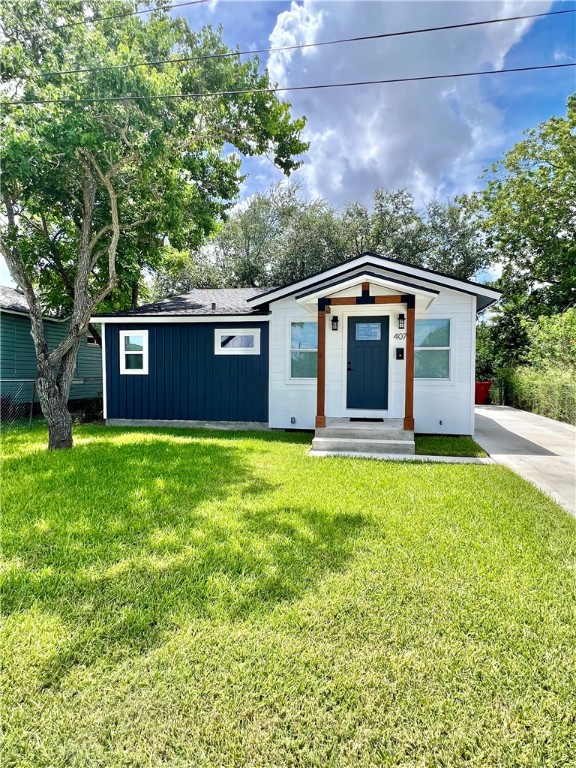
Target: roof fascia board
(152,319)
(378,262)
(427,270)
(450,282)
(384,282)
(344,268)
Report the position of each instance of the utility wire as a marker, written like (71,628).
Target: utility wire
(228,54)
(284,89)
(97,19)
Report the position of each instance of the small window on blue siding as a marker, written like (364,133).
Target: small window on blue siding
(237,341)
(134,352)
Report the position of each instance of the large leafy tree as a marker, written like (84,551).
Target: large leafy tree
(530,202)
(278,237)
(392,227)
(110,167)
(270,239)
(454,241)
(446,236)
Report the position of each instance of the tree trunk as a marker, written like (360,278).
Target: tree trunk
(134,296)
(55,410)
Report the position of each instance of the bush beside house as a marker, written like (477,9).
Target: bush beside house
(546,382)
(550,392)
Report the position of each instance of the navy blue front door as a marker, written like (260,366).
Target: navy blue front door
(368,363)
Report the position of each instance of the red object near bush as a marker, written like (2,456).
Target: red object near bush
(482,392)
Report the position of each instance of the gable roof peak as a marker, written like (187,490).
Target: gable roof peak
(485,295)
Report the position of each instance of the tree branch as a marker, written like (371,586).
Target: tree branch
(17,269)
(83,304)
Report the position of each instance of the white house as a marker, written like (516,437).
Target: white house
(372,340)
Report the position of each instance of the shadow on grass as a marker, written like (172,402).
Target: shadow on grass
(125,537)
(263,435)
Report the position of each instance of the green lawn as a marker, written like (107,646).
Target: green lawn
(211,599)
(448,445)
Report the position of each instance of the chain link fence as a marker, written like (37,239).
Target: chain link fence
(17,398)
(20,407)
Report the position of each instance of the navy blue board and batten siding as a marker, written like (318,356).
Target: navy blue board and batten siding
(186,379)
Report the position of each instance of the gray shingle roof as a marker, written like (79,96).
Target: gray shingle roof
(213,301)
(13,300)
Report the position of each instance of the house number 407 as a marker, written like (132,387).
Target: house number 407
(399,335)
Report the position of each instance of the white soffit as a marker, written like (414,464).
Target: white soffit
(395,286)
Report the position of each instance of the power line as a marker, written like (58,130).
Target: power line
(285,89)
(228,54)
(97,19)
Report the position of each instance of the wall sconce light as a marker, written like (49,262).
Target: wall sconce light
(401,321)
(334,322)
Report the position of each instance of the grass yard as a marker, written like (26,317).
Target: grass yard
(448,445)
(211,599)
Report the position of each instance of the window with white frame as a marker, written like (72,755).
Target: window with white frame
(303,350)
(237,341)
(134,352)
(432,349)
(91,341)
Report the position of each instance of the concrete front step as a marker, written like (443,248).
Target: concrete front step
(352,432)
(363,445)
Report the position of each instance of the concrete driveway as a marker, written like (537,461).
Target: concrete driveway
(538,449)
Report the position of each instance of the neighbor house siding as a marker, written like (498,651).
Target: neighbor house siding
(186,380)
(8,330)
(18,356)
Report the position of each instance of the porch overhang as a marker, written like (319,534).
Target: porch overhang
(422,298)
(323,299)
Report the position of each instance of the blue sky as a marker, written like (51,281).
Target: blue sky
(432,138)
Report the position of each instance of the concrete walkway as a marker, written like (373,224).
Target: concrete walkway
(538,449)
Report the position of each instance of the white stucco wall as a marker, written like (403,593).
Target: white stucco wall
(443,407)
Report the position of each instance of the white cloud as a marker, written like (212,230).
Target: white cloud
(432,137)
(561,55)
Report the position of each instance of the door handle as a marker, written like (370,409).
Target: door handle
(349,366)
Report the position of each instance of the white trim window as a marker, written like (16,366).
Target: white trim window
(134,352)
(432,349)
(237,341)
(303,350)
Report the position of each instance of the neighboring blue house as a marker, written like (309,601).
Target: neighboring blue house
(372,340)
(18,358)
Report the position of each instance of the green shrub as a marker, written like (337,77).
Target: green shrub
(485,353)
(548,391)
(552,341)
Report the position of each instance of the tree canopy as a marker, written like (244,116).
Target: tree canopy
(279,237)
(169,160)
(531,216)
(118,160)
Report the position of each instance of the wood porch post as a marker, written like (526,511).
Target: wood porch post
(321,377)
(409,392)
